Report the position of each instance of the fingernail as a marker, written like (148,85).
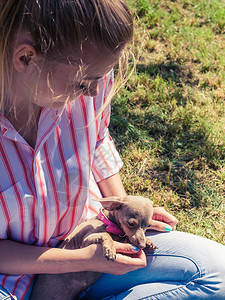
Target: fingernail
(168,228)
(136,249)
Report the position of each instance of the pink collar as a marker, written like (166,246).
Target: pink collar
(111,227)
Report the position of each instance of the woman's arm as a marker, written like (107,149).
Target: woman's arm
(16,259)
(112,186)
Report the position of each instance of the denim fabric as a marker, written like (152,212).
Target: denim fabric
(185,266)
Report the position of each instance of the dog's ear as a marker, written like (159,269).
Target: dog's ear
(110,203)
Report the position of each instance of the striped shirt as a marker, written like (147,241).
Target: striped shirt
(46,191)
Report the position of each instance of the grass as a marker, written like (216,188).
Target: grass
(169,121)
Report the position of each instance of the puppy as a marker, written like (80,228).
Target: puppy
(121,219)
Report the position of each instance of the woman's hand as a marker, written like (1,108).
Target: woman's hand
(162,220)
(127,259)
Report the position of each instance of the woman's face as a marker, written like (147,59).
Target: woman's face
(71,76)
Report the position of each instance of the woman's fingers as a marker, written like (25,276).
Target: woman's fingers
(162,220)
(126,259)
(126,248)
(128,253)
(161,226)
(131,262)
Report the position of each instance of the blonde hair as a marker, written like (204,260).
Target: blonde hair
(56,26)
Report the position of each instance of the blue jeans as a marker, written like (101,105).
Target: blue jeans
(185,266)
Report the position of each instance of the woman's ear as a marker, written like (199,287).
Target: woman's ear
(23,55)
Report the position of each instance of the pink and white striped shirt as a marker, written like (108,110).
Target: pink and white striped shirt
(45,192)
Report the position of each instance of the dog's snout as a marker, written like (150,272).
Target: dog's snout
(138,239)
(142,245)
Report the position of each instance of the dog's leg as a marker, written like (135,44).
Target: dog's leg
(103,238)
(150,246)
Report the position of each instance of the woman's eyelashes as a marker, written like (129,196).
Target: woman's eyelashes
(77,87)
(83,88)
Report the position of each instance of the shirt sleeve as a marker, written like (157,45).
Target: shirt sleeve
(106,161)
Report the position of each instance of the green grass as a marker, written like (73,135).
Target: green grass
(169,120)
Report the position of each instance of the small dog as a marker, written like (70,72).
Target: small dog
(124,218)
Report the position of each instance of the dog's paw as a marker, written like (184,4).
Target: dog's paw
(150,246)
(109,254)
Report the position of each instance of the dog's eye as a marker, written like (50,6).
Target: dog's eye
(149,225)
(131,224)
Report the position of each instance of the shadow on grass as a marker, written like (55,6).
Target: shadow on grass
(170,71)
(175,154)
(176,141)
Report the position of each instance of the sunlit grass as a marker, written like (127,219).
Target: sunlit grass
(169,121)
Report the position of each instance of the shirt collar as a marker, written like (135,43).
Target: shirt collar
(48,120)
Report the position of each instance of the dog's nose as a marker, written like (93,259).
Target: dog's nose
(140,239)
(139,242)
(141,245)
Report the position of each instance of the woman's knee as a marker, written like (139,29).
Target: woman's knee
(207,256)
